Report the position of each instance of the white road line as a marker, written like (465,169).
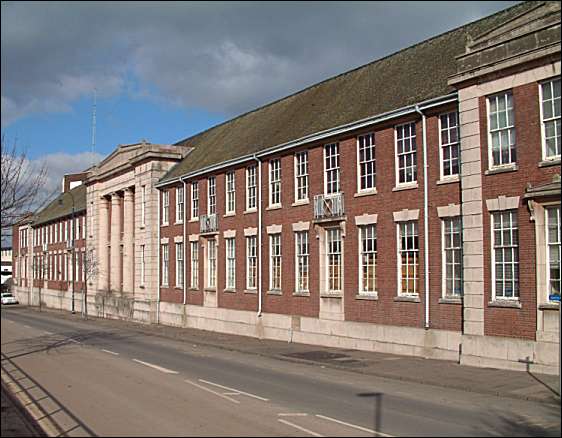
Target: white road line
(234,390)
(230,393)
(48,333)
(156,367)
(212,392)
(296,426)
(26,326)
(364,429)
(296,414)
(110,352)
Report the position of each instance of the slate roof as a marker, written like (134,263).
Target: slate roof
(54,210)
(412,75)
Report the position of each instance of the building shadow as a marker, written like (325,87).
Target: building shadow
(377,408)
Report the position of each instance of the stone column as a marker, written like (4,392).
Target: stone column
(103,240)
(114,262)
(128,242)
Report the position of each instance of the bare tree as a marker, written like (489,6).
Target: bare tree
(90,266)
(22,185)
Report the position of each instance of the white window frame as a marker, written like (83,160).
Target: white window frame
(446,226)
(302,262)
(416,257)
(450,145)
(230,192)
(412,152)
(194,280)
(165,207)
(510,129)
(251,188)
(549,244)
(334,170)
(230,247)
(211,263)
(165,264)
(555,118)
(373,162)
(212,195)
(301,176)
(361,232)
(330,273)
(275,262)
(180,202)
(516,281)
(275,182)
(195,200)
(179,265)
(251,263)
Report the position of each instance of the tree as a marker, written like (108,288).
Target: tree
(22,186)
(90,267)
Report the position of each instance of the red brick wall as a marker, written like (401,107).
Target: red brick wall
(508,321)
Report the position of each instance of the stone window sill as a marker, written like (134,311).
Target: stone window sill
(369,297)
(450,300)
(253,210)
(448,180)
(230,291)
(191,289)
(405,187)
(331,295)
(178,287)
(178,223)
(547,163)
(231,214)
(549,306)
(369,192)
(407,299)
(274,292)
(511,304)
(301,202)
(274,207)
(251,291)
(301,294)
(209,289)
(194,219)
(503,169)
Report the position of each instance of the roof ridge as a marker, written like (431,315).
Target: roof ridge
(317,84)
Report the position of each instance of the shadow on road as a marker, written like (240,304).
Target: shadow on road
(377,408)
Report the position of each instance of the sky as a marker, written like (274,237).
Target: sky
(163,71)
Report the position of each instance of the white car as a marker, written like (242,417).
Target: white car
(8,298)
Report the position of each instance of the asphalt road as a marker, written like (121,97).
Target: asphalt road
(85,379)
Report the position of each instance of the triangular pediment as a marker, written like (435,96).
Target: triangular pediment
(121,155)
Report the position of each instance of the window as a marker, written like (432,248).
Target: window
(142,264)
(275,262)
(230,192)
(553,250)
(366,160)
(165,207)
(230,264)
(212,195)
(179,264)
(334,260)
(212,263)
(301,176)
(143,206)
(165,264)
(195,265)
(76,273)
(56,234)
(406,155)
(78,227)
(275,182)
(452,257)
(408,258)
(301,244)
(251,263)
(179,204)
(251,188)
(331,168)
(367,259)
(501,130)
(550,117)
(194,200)
(505,263)
(449,141)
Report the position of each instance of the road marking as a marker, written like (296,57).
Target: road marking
(212,392)
(26,326)
(156,367)
(234,390)
(230,393)
(110,352)
(296,426)
(364,429)
(296,414)
(49,333)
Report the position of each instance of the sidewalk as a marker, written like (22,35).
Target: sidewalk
(16,421)
(504,383)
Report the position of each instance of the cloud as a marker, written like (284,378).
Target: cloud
(223,57)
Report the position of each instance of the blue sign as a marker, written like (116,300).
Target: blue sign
(554,297)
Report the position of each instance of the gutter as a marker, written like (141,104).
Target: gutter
(185,208)
(442,100)
(259,236)
(425,218)
(159,261)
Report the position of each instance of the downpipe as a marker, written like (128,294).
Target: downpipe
(260,298)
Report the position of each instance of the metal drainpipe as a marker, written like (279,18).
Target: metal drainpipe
(259,237)
(184,241)
(425,218)
(159,266)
